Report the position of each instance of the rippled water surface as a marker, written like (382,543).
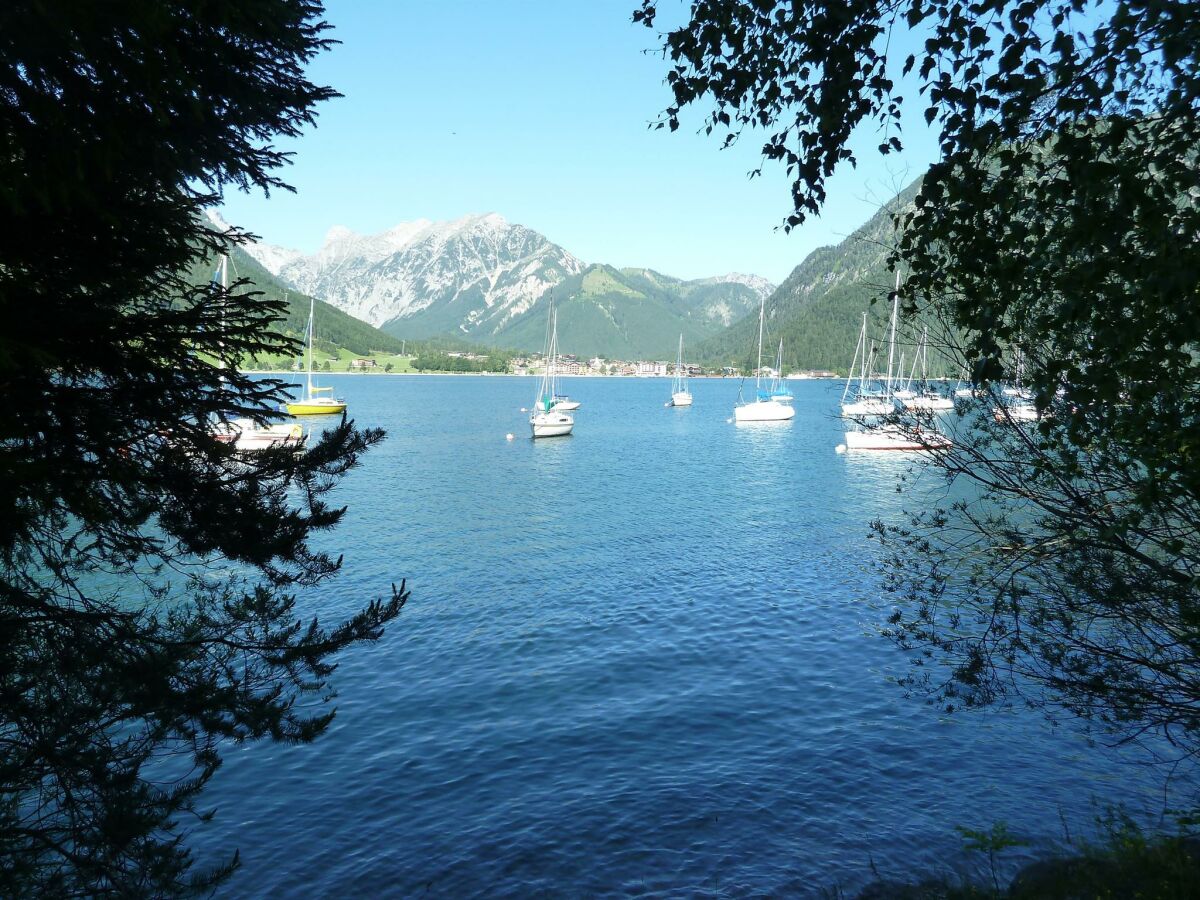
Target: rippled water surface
(637,659)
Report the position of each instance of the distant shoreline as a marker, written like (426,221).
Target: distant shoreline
(514,375)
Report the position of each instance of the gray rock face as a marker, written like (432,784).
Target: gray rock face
(470,276)
(481,277)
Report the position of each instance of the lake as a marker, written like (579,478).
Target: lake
(638,659)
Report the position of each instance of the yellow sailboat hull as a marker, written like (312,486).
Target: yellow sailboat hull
(316,408)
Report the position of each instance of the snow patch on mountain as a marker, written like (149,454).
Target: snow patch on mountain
(761,286)
(272,258)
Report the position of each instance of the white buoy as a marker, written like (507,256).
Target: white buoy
(523,409)
(509,436)
(729,421)
(841,448)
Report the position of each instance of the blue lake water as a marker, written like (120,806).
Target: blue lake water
(636,660)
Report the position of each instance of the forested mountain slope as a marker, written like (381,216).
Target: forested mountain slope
(817,311)
(334,328)
(632,313)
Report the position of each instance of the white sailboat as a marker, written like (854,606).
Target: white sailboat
(763,408)
(246,434)
(547,419)
(680,395)
(925,398)
(963,390)
(1017,403)
(894,435)
(313,403)
(249,434)
(778,390)
(861,400)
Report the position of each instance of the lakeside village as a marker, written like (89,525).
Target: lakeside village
(468,362)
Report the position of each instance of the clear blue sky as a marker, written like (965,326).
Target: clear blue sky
(539,111)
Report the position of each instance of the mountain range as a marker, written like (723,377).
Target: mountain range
(486,280)
(482,280)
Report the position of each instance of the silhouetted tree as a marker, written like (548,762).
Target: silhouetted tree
(119,651)
(1063,220)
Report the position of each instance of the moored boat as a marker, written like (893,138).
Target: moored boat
(680,395)
(763,408)
(885,433)
(313,402)
(860,400)
(891,436)
(547,419)
(246,434)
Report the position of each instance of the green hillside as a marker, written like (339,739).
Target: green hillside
(334,329)
(818,310)
(627,314)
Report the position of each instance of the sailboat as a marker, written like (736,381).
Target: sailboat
(778,390)
(963,390)
(249,434)
(763,408)
(894,435)
(547,419)
(1017,403)
(680,395)
(863,401)
(926,397)
(313,404)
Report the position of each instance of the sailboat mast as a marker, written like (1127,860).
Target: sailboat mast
(224,298)
(554,356)
(862,378)
(312,308)
(860,347)
(892,342)
(762,305)
(862,362)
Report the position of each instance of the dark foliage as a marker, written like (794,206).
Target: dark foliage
(1061,221)
(124,664)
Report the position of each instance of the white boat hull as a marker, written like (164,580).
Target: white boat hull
(763,411)
(551,424)
(892,437)
(1019,412)
(930,404)
(246,434)
(867,408)
(681,398)
(566,405)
